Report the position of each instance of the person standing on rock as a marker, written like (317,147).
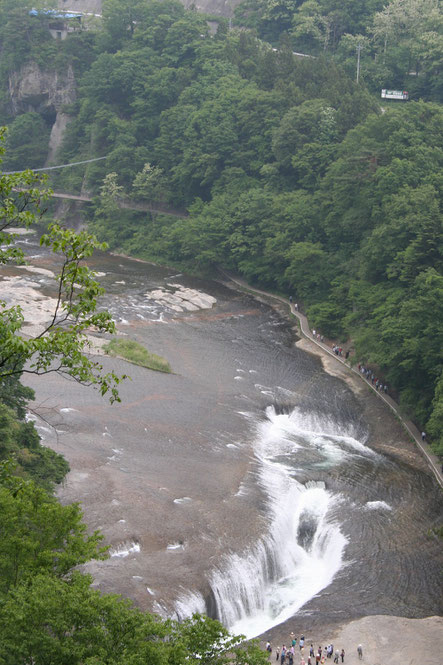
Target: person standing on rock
(360,651)
(342,655)
(277,654)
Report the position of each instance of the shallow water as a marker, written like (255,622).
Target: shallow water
(248,484)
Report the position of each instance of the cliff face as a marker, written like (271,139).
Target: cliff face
(221,7)
(87,6)
(33,89)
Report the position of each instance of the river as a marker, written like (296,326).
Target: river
(249,484)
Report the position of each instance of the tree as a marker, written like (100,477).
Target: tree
(19,440)
(307,272)
(150,184)
(63,344)
(435,422)
(39,535)
(120,19)
(26,142)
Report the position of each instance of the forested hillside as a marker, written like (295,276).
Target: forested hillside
(400,42)
(293,174)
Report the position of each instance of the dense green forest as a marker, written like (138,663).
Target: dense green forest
(400,42)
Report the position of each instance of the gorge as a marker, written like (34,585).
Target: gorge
(249,484)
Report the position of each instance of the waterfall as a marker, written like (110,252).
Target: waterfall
(303,548)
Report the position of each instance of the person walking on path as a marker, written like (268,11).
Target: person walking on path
(360,651)
(342,655)
(277,654)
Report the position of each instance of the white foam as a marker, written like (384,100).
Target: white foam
(175,546)
(303,548)
(184,499)
(124,550)
(377,505)
(67,409)
(190,603)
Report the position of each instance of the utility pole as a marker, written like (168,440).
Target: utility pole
(358,61)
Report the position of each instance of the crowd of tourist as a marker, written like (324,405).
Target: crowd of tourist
(367,373)
(370,376)
(308,655)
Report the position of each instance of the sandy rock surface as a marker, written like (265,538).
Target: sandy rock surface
(385,640)
(388,640)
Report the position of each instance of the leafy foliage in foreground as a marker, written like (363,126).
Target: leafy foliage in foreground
(62,344)
(50,614)
(19,440)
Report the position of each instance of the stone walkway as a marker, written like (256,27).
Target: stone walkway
(432,460)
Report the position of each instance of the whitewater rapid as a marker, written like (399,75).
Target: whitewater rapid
(303,547)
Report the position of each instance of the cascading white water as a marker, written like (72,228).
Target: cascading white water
(303,549)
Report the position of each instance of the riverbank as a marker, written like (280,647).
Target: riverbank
(321,348)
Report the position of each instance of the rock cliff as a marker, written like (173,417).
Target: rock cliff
(222,7)
(45,91)
(34,89)
(88,6)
